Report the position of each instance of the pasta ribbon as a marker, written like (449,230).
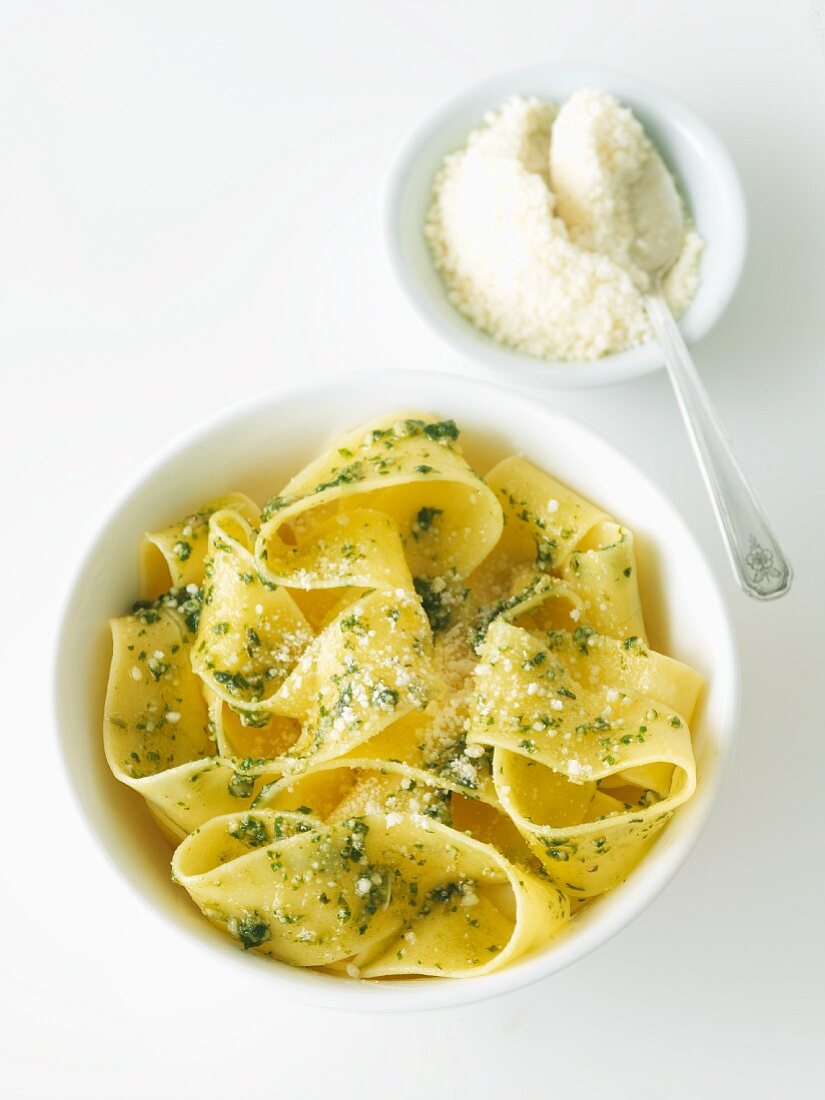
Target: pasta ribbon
(250,634)
(601,570)
(156,727)
(360,548)
(568,715)
(411,469)
(396,895)
(173,557)
(548,524)
(256,735)
(369,668)
(544,520)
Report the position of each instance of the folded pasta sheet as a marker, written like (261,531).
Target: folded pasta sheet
(577,720)
(157,733)
(410,469)
(397,894)
(404,720)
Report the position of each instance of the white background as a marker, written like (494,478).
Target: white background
(189,214)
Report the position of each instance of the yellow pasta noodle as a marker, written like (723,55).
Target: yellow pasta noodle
(173,557)
(404,720)
(156,726)
(369,668)
(250,634)
(396,894)
(409,468)
(547,523)
(577,710)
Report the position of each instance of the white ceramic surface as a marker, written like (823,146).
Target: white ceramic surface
(255,447)
(699,161)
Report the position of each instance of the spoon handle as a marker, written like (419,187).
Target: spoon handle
(758,561)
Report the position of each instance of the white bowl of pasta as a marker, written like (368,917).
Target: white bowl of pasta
(410,736)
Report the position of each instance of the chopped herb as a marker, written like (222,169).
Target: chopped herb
(443,429)
(440,807)
(241,786)
(503,608)
(273,505)
(157,668)
(433,604)
(353,848)
(250,830)
(544,553)
(425,517)
(353,623)
(445,893)
(560,850)
(252,931)
(236,683)
(148,611)
(384,698)
(145,612)
(253,719)
(345,476)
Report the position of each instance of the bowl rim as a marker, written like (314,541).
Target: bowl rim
(290,983)
(495,359)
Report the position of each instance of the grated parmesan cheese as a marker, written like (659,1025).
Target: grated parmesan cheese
(530,230)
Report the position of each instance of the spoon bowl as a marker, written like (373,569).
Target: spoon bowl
(658,220)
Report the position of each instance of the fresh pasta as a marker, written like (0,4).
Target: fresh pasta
(403,720)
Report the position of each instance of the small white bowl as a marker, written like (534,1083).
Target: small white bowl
(699,161)
(256,447)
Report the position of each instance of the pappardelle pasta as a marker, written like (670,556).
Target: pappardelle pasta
(403,720)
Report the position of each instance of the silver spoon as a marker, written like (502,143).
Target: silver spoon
(758,561)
